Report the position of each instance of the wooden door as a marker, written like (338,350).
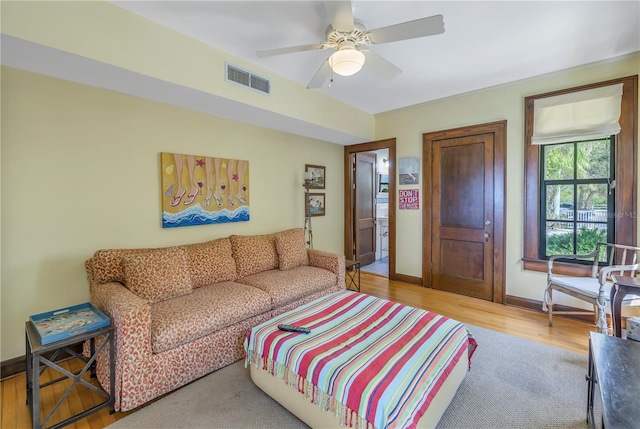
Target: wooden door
(462,217)
(365,208)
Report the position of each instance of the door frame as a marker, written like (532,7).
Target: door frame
(348,197)
(499,131)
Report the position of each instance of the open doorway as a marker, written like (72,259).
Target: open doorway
(380,264)
(370,206)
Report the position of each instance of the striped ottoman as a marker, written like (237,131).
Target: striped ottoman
(367,362)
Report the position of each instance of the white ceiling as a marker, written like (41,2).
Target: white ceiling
(486,43)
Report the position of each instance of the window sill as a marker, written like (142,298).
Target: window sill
(564,268)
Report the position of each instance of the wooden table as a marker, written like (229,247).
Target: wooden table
(614,365)
(622,286)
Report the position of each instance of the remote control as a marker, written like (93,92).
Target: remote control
(292,328)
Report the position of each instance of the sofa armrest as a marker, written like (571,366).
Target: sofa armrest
(333,262)
(131,317)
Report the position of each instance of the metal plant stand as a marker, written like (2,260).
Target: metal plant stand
(308,231)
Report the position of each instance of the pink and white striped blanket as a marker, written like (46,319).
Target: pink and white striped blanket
(372,362)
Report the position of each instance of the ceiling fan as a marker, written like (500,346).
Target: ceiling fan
(348,40)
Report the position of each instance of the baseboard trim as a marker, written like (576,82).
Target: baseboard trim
(18,365)
(409,279)
(535,305)
(11,367)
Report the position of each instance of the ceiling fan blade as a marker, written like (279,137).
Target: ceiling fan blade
(380,66)
(321,75)
(340,15)
(408,30)
(289,50)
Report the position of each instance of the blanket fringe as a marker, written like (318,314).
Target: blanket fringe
(324,401)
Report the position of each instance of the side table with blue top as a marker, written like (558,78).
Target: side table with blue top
(37,363)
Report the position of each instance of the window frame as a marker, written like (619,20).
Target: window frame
(625,172)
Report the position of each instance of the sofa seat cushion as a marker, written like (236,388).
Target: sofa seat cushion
(290,285)
(207,309)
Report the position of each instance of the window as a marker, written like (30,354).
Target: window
(622,220)
(576,196)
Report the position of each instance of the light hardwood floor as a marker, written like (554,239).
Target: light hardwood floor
(566,333)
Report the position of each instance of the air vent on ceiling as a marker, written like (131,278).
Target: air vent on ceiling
(248,79)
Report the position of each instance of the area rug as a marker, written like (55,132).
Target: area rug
(513,383)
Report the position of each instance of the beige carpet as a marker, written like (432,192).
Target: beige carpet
(513,383)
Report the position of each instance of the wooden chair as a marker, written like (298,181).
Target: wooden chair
(606,260)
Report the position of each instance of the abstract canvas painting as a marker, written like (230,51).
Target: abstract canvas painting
(201,190)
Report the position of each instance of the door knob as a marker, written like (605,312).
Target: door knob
(487,222)
(486,236)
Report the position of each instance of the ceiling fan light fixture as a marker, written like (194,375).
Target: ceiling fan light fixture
(346,62)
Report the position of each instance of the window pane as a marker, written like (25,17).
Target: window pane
(592,202)
(594,159)
(559,202)
(589,234)
(558,161)
(559,238)
(575,214)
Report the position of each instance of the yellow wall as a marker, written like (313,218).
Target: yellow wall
(493,104)
(107,33)
(81,171)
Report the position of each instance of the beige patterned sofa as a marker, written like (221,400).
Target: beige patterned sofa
(182,312)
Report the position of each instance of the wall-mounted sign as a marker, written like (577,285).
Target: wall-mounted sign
(409,199)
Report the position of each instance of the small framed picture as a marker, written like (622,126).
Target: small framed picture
(384,187)
(409,170)
(317,175)
(316,205)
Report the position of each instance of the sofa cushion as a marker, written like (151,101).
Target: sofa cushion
(291,249)
(208,309)
(211,262)
(157,274)
(108,266)
(287,286)
(254,253)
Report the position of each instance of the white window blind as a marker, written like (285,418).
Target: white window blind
(578,115)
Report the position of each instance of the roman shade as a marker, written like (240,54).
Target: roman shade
(580,115)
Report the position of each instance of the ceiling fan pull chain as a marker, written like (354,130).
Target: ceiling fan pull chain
(330,72)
